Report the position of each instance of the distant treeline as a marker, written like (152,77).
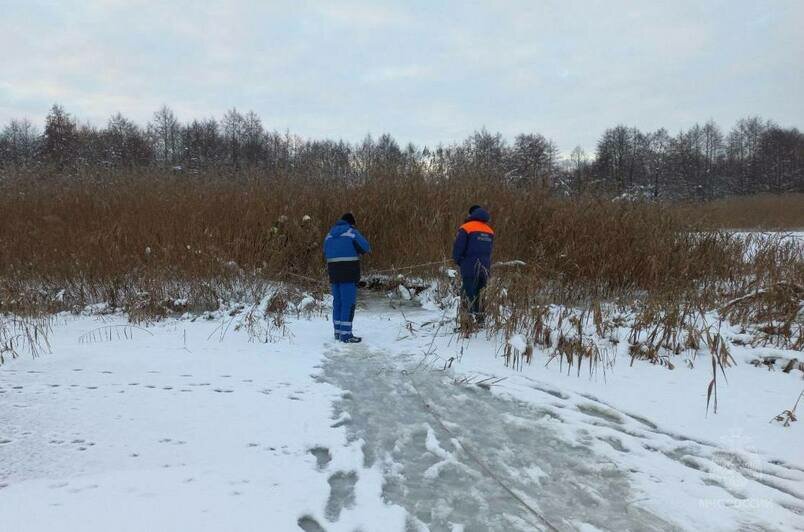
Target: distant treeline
(700,163)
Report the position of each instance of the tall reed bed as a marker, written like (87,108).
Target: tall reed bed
(773,212)
(101,227)
(156,242)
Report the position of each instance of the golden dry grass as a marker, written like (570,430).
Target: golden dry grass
(108,237)
(765,212)
(154,243)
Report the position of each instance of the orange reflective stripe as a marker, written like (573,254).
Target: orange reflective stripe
(475,226)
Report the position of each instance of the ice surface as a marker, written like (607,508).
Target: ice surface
(441,488)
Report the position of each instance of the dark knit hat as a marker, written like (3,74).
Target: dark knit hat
(349,217)
(473,208)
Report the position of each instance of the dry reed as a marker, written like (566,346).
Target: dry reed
(154,243)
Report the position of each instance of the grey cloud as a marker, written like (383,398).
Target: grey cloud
(425,72)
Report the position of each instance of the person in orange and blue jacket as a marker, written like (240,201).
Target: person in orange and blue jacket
(472,253)
(342,248)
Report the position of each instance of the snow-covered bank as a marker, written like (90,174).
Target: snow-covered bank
(195,428)
(187,429)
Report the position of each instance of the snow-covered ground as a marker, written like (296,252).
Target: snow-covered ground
(192,426)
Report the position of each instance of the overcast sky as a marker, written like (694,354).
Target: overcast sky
(425,71)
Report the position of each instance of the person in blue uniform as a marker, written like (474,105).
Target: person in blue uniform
(472,253)
(343,247)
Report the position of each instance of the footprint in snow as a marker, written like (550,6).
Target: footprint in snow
(601,413)
(322,457)
(309,524)
(555,393)
(615,443)
(341,493)
(79,490)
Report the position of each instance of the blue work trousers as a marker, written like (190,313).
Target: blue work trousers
(344,299)
(472,294)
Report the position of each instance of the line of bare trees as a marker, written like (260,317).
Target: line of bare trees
(702,162)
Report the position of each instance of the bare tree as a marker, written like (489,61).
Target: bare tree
(485,154)
(164,131)
(743,154)
(756,156)
(233,126)
(657,163)
(253,139)
(125,143)
(533,158)
(19,143)
(620,157)
(59,141)
(578,167)
(202,144)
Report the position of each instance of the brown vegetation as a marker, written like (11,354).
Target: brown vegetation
(78,240)
(157,243)
(772,212)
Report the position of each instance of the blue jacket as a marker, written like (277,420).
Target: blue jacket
(342,248)
(473,246)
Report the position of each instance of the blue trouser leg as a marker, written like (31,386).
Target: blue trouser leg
(336,307)
(471,291)
(347,311)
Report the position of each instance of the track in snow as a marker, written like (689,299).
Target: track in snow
(431,475)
